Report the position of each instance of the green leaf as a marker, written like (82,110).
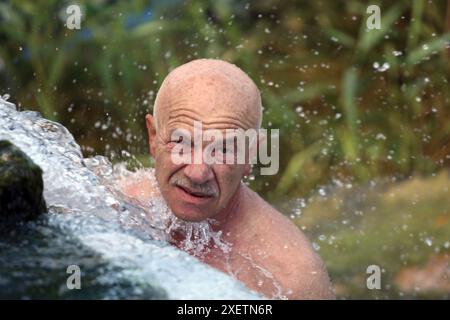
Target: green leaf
(426,49)
(370,38)
(295,165)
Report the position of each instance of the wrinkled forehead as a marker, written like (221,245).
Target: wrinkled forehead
(215,100)
(218,99)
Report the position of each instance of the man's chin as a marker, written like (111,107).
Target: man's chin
(190,216)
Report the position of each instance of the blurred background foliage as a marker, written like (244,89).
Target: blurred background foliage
(356,108)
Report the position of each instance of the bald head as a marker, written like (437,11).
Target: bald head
(215,92)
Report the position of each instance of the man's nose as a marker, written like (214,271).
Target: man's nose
(198,173)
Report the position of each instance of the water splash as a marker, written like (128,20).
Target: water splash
(198,237)
(122,246)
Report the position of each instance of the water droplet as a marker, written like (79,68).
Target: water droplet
(381,68)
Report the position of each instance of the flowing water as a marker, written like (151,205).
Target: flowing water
(121,247)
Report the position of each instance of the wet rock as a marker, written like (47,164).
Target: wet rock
(21,186)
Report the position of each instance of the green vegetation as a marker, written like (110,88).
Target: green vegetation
(390,224)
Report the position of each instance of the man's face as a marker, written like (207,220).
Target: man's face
(221,97)
(194,192)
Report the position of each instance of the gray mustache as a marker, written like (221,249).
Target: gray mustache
(204,189)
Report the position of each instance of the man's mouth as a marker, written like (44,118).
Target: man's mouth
(194,193)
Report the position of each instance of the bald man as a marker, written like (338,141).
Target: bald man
(268,252)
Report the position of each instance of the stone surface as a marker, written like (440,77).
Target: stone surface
(21,186)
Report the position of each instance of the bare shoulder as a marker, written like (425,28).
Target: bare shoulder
(140,185)
(298,268)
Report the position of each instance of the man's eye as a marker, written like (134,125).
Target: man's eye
(179,140)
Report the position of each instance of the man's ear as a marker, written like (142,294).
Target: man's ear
(253,152)
(254,147)
(151,131)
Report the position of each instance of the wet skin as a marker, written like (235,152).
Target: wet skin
(264,243)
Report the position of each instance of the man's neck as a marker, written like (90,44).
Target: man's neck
(226,215)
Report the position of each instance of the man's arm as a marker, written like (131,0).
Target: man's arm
(299,269)
(310,278)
